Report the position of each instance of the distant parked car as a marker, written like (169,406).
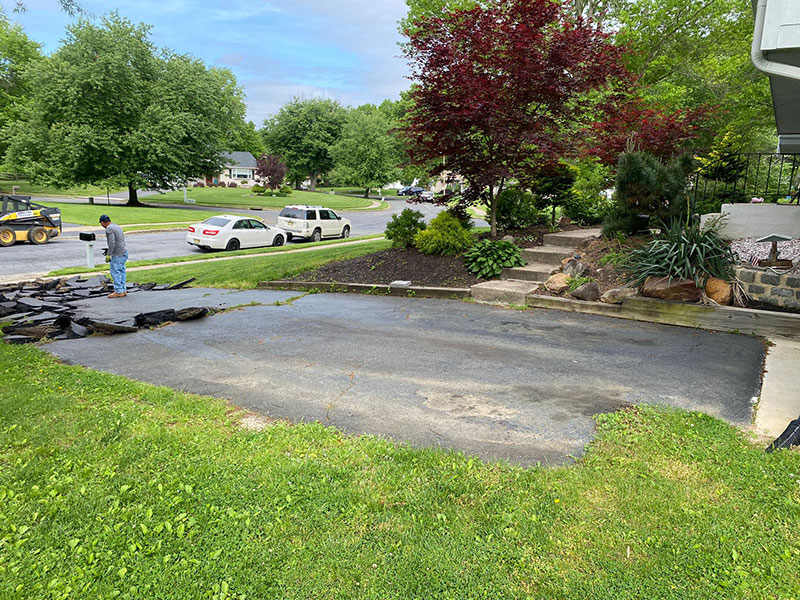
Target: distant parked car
(312,223)
(410,191)
(426,195)
(229,232)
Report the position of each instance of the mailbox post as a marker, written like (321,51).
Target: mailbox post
(89,238)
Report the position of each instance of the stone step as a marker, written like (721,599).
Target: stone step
(571,239)
(547,255)
(507,291)
(533,272)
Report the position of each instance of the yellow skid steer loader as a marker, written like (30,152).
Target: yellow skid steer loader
(21,219)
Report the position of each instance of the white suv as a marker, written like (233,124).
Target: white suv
(312,222)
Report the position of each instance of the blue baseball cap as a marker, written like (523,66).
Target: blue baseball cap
(105,218)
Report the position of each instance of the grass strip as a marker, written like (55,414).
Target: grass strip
(113,488)
(243,198)
(26,188)
(212,255)
(246,273)
(88,214)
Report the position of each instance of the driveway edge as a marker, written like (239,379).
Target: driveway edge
(414,291)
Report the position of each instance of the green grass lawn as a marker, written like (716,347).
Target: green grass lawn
(246,273)
(112,488)
(241,197)
(212,255)
(27,188)
(87,214)
(352,190)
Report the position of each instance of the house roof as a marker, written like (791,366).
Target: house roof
(243,160)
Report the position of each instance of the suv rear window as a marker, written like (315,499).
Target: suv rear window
(216,221)
(292,213)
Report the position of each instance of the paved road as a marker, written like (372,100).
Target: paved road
(496,383)
(27,260)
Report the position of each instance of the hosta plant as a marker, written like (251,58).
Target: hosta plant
(488,258)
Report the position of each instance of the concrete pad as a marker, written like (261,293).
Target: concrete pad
(780,391)
(506,291)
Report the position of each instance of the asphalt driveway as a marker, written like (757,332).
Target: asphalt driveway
(520,386)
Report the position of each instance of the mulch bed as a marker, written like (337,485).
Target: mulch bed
(386,266)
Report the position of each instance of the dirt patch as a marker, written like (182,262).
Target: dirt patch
(530,237)
(381,268)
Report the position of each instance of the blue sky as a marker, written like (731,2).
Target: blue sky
(278,49)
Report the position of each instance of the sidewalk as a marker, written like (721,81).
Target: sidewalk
(780,392)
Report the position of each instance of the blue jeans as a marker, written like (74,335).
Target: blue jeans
(117,268)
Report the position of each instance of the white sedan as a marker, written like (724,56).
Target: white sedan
(231,232)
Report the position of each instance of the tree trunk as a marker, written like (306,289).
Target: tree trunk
(493,211)
(366,194)
(313,185)
(298,184)
(133,198)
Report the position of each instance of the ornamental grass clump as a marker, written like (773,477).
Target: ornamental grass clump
(683,251)
(488,258)
(445,235)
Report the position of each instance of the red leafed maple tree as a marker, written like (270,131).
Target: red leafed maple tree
(272,170)
(497,90)
(631,123)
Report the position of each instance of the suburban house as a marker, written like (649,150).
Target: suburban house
(239,167)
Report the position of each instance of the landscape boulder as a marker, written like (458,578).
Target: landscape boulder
(617,295)
(678,290)
(589,291)
(575,268)
(558,283)
(719,291)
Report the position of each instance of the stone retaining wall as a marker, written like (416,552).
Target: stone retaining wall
(763,285)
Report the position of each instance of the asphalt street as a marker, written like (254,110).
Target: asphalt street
(27,261)
(519,386)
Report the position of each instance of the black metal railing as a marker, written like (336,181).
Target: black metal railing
(742,177)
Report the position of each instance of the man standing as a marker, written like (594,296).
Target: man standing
(118,252)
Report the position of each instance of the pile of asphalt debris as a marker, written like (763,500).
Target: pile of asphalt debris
(37,310)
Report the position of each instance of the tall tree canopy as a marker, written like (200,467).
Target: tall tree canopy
(367,155)
(498,89)
(684,53)
(302,133)
(107,106)
(17,52)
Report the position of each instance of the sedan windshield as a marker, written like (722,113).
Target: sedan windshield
(216,221)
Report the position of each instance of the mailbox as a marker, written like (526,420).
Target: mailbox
(87,237)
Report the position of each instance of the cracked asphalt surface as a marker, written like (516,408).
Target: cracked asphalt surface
(519,386)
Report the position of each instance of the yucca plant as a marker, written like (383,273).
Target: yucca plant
(488,259)
(683,251)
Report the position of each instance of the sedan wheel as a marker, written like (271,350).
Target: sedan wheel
(278,240)
(233,244)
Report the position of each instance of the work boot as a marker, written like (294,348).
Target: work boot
(116,295)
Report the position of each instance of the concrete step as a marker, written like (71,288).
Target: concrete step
(571,239)
(547,255)
(506,291)
(533,272)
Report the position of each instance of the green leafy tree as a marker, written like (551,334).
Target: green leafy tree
(17,52)
(107,107)
(303,133)
(245,138)
(367,153)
